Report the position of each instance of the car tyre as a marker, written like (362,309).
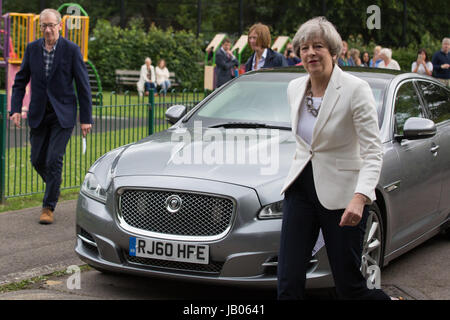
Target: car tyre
(373,245)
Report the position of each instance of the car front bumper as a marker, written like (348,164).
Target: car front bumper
(246,255)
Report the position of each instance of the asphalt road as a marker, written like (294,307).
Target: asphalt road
(29,249)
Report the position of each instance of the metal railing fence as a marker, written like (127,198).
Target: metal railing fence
(118,120)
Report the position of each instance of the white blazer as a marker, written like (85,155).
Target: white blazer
(345,150)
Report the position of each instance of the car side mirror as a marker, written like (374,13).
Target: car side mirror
(418,128)
(175,113)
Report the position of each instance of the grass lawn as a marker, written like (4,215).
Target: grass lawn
(35,200)
(22,179)
(121,119)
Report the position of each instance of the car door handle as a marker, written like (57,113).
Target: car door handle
(434,149)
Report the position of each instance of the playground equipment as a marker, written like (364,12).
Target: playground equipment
(280,43)
(239,47)
(19,29)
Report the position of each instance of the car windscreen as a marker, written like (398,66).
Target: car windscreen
(260,98)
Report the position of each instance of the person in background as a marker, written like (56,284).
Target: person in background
(162,76)
(422,65)
(226,63)
(146,78)
(345,60)
(355,56)
(441,63)
(388,62)
(376,60)
(53,64)
(290,56)
(365,59)
(263,57)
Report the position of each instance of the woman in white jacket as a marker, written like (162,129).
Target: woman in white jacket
(335,168)
(146,78)
(162,76)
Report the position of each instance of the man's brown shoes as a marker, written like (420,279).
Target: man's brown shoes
(46,216)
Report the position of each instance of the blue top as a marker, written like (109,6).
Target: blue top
(371,64)
(345,63)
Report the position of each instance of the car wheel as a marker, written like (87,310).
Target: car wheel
(373,245)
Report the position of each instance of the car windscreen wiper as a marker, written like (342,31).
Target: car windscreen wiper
(253,125)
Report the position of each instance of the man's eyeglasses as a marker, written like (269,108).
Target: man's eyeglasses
(50,25)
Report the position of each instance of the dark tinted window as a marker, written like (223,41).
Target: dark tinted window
(407,105)
(437,99)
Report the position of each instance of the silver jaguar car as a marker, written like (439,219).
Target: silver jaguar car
(201,200)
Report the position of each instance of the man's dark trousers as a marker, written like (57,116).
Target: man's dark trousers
(48,145)
(303,216)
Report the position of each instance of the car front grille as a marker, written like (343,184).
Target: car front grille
(200,215)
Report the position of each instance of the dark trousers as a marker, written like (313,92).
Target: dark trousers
(303,216)
(48,145)
(150,85)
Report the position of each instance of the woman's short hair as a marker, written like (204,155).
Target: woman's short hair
(386,52)
(263,33)
(318,27)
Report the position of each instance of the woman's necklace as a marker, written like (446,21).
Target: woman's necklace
(310,103)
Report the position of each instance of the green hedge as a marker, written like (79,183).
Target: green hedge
(112,48)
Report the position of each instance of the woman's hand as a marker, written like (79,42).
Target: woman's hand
(354,211)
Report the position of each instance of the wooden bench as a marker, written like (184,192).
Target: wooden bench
(131,77)
(126,78)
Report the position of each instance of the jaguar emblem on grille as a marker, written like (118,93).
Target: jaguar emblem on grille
(173,203)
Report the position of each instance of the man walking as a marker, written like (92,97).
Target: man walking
(225,63)
(52,63)
(441,63)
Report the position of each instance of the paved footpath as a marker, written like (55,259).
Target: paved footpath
(28,249)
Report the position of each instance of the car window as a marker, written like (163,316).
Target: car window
(263,98)
(407,105)
(258,101)
(437,100)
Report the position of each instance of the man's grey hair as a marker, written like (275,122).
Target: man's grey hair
(387,52)
(445,40)
(318,27)
(52,11)
(148,59)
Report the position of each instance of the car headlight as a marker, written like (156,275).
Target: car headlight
(272,211)
(92,188)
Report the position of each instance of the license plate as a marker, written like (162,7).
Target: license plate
(169,250)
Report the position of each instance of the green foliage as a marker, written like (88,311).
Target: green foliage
(112,48)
